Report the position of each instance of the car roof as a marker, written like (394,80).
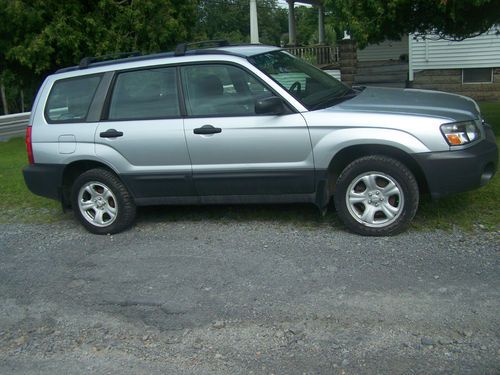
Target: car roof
(241,50)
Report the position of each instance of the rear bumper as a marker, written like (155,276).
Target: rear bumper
(44,179)
(456,171)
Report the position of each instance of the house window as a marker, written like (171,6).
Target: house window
(477,75)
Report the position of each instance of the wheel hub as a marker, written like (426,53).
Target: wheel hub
(375,197)
(99,202)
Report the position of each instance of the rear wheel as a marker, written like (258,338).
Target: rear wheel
(101,202)
(376,196)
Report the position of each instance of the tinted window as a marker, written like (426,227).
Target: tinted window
(220,90)
(69,100)
(145,94)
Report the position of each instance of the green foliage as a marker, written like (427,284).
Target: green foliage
(39,36)
(372,21)
(230,20)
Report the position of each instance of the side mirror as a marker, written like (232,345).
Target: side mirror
(269,106)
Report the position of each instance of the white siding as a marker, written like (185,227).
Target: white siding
(482,51)
(386,50)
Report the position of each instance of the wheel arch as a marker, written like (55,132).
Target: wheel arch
(73,170)
(348,154)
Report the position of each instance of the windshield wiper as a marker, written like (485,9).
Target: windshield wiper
(335,99)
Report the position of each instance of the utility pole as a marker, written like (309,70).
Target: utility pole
(4,99)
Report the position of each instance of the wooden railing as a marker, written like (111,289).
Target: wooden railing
(317,55)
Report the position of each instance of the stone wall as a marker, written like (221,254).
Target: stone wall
(450,80)
(348,61)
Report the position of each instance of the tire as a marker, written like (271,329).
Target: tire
(376,196)
(101,202)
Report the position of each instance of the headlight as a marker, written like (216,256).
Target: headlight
(460,133)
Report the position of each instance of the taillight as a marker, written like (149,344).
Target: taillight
(29,147)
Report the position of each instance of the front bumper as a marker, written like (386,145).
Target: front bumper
(44,179)
(455,171)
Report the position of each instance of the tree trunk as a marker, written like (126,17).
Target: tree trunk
(4,99)
(22,100)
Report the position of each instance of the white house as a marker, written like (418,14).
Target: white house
(470,67)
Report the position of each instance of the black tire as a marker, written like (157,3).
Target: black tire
(101,202)
(376,196)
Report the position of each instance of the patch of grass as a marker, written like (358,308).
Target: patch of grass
(465,210)
(18,204)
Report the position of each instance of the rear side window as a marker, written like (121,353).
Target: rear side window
(69,100)
(145,94)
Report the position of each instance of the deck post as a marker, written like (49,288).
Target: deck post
(321,25)
(254,24)
(292,37)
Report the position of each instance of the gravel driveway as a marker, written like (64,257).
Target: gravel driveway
(261,297)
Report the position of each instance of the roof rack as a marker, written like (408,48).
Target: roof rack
(181,48)
(86,61)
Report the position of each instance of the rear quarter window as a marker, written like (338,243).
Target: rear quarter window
(69,99)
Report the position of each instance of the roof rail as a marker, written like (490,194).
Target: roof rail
(86,61)
(181,48)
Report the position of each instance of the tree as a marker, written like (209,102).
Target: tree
(230,19)
(371,21)
(39,36)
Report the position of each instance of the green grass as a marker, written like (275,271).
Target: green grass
(464,210)
(18,204)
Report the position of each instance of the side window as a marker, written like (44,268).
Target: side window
(145,94)
(69,99)
(220,90)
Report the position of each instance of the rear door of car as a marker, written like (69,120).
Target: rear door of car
(234,151)
(142,133)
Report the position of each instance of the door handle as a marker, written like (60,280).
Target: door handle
(207,129)
(111,133)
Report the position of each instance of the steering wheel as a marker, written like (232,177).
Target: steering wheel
(296,87)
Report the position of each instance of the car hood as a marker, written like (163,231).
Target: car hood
(414,102)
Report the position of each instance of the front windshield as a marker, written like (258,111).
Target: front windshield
(306,83)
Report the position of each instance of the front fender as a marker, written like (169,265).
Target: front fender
(330,142)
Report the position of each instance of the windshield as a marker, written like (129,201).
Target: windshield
(311,86)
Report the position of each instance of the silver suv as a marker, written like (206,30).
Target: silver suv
(247,124)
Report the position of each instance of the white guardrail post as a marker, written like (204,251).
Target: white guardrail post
(13,125)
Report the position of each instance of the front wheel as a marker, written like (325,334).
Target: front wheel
(376,196)
(101,202)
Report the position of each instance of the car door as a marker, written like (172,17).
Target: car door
(143,135)
(233,150)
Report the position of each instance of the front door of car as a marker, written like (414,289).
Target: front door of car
(142,134)
(233,150)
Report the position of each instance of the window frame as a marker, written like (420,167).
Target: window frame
(91,103)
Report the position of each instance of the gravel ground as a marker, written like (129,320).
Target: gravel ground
(253,297)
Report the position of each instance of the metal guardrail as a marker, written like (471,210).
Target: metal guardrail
(13,125)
